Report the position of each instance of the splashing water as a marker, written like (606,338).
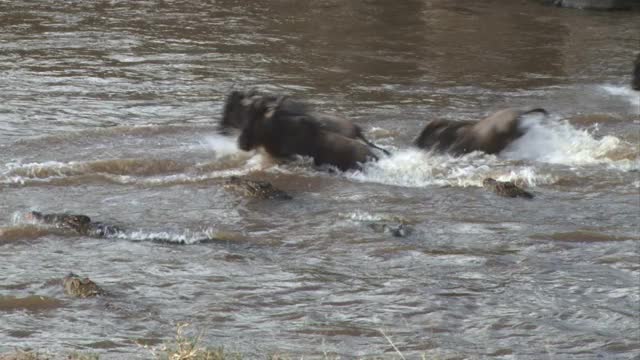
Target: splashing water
(551,141)
(226,158)
(559,142)
(19,220)
(187,237)
(363,216)
(417,168)
(624,92)
(220,145)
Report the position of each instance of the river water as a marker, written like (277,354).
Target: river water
(108,108)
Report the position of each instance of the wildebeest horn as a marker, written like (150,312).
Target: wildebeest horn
(386,152)
(538,110)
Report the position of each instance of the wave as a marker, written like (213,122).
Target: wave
(226,161)
(91,135)
(418,168)
(21,232)
(554,142)
(365,216)
(49,169)
(185,238)
(24,229)
(624,92)
(558,142)
(551,141)
(34,303)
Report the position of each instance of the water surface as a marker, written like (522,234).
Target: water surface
(108,108)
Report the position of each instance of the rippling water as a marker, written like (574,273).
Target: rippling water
(108,108)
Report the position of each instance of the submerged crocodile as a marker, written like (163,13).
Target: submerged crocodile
(505,188)
(81,224)
(393,225)
(395,229)
(256,189)
(76,286)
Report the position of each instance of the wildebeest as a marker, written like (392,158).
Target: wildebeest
(490,135)
(237,108)
(283,133)
(635,80)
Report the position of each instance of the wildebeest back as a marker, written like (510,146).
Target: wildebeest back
(440,135)
(493,133)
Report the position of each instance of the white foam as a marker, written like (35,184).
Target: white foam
(35,166)
(49,171)
(363,216)
(187,237)
(417,168)
(221,145)
(181,178)
(127,58)
(558,142)
(19,218)
(16,173)
(624,92)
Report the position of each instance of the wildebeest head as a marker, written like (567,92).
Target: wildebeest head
(234,112)
(258,110)
(238,108)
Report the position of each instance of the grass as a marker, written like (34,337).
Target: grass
(190,348)
(182,347)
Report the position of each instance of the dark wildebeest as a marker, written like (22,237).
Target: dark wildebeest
(635,80)
(283,133)
(490,135)
(237,108)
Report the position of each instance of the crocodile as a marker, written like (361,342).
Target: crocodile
(76,286)
(83,225)
(80,224)
(255,189)
(505,188)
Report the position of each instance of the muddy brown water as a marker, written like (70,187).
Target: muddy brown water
(107,108)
